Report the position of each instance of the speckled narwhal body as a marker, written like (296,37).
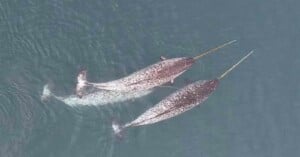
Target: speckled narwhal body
(152,76)
(178,102)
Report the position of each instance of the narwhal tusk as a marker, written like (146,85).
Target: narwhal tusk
(235,65)
(213,50)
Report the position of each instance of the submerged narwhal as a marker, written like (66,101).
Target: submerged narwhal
(178,102)
(97,97)
(147,78)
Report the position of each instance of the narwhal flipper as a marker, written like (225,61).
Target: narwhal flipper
(81,83)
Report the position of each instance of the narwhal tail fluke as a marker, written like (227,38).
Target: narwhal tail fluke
(81,83)
(117,129)
(213,49)
(235,65)
(46,93)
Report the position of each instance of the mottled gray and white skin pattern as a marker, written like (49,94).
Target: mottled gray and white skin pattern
(100,97)
(180,101)
(149,77)
(152,76)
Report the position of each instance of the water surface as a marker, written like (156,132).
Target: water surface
(254,112)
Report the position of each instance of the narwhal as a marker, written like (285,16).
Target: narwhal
(149,77)
(96,97)
(178,102)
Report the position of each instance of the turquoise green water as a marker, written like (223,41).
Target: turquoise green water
(254,112)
